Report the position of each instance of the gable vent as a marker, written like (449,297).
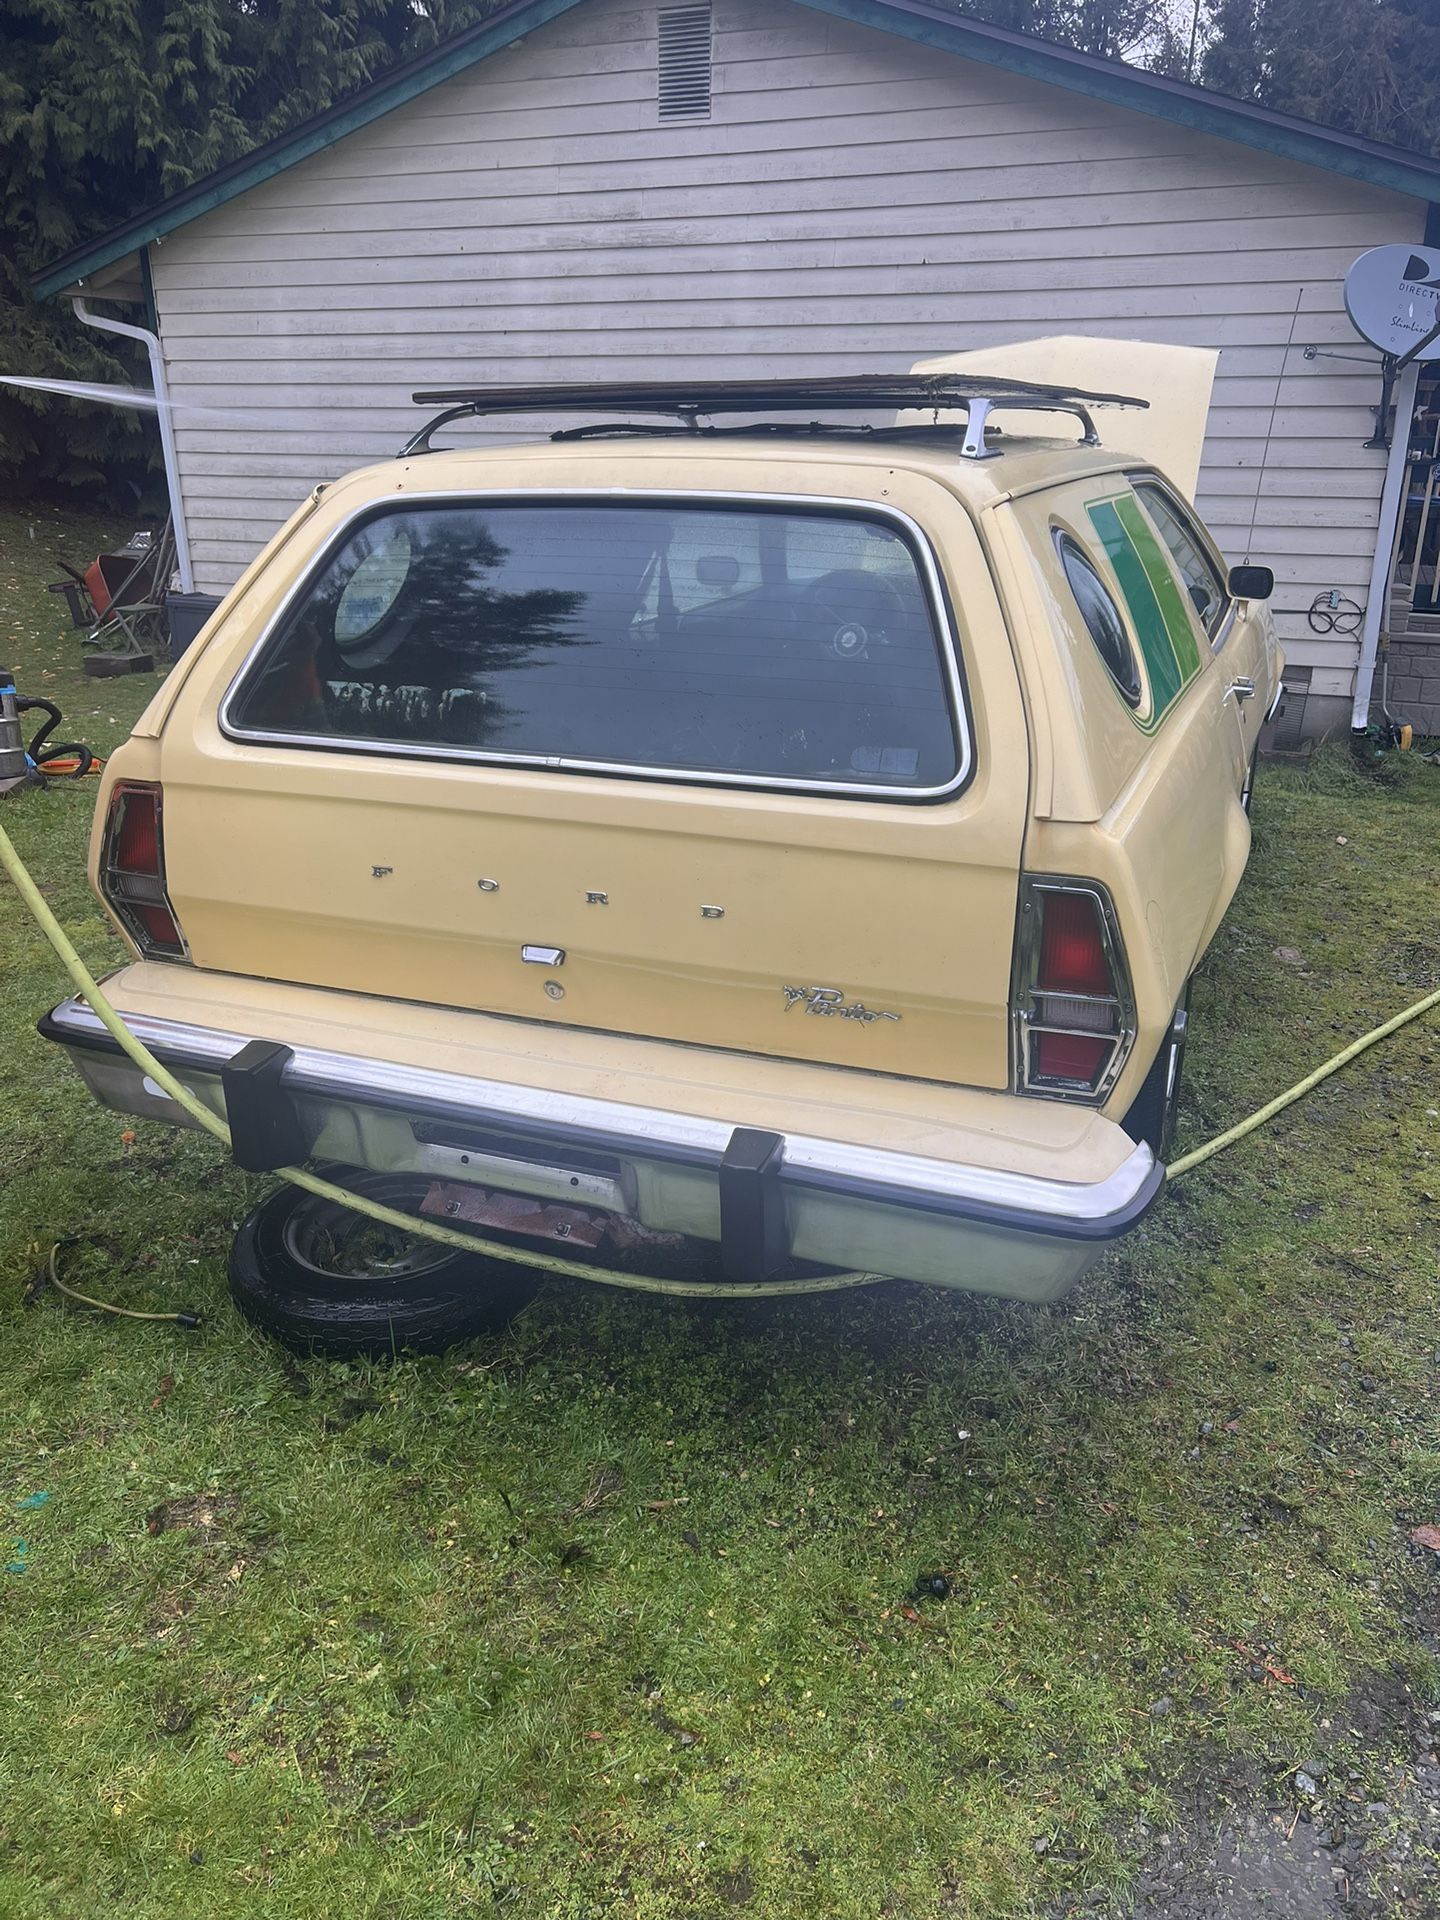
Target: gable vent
(684,63)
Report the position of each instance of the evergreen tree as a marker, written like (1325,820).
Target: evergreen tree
(1369,66)
(108,106)
(1144,32)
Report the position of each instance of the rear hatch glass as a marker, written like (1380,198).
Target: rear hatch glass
(737,643)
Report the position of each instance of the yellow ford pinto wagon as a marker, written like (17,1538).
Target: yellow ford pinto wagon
(754,849)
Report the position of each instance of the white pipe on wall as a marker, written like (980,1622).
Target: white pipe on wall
(1392,505)
(151,343)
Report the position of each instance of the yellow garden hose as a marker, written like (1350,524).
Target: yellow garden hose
(90,990)
(52,1274)
(1200,1155)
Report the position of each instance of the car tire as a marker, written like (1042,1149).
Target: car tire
(1153,1111)
(323,1280)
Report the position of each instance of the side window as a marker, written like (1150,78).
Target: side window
(1101,616)
(1186,547)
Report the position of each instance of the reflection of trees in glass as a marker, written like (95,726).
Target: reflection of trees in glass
(459,635)
(431,668)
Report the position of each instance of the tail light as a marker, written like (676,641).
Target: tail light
(132,872)
(1071,1004)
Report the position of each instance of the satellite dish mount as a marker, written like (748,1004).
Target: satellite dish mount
(1392,295)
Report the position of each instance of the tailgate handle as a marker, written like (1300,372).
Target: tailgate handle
(754,1236)
(266,1130)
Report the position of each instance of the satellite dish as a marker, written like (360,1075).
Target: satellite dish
(1392,295)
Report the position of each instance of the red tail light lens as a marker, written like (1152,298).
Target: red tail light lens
(132,872)
(1067,1060)
(136,812)
(1071,1005)
(1072,946)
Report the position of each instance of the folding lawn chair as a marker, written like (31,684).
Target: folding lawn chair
(120,600)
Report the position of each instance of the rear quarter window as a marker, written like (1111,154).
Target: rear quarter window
(1102,616)
(751,644)
(1156,608)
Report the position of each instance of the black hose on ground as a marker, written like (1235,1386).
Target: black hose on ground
(43,750)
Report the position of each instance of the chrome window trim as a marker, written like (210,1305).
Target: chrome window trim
(945,636)
(1149,478)
(633,1131)
(1224,630)
(1024,992)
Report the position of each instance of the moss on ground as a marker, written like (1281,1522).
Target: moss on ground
(611,1616)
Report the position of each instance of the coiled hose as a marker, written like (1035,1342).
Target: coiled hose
(43,750)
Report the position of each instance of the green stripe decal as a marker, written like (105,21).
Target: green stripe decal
(1173,610)
(1151,629)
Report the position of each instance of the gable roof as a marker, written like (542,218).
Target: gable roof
(1197,108)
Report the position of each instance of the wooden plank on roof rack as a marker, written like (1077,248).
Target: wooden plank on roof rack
(861,392)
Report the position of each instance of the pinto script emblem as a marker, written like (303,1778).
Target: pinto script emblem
(830,1003)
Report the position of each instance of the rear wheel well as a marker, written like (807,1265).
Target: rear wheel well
(1151,1115)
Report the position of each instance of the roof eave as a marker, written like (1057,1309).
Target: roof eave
(1176,101)
(382,96)
(1183,105)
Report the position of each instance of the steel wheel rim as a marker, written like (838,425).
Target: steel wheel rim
(329,1239)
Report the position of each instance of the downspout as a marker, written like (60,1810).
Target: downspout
(1387,537)
(151,342)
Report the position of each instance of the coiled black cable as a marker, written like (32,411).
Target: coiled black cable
(1346,617)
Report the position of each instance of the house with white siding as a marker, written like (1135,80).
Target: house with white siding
(605,189)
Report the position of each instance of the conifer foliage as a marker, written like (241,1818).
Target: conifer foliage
(105,107)
(1370,66)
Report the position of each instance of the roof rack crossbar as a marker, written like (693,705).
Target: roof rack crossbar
(977,395)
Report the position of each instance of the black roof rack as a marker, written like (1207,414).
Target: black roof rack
(978,394)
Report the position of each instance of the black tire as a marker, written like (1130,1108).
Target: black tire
(1153,1111)
(323,1280)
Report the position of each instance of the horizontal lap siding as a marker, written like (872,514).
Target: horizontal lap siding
(853,203)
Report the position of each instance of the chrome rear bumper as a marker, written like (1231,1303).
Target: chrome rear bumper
(758,1194)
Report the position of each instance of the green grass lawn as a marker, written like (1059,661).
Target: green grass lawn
(610,1617)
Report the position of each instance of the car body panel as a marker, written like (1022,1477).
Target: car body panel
(1174,382)
(1152,811)
(731,953)
(362,871)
